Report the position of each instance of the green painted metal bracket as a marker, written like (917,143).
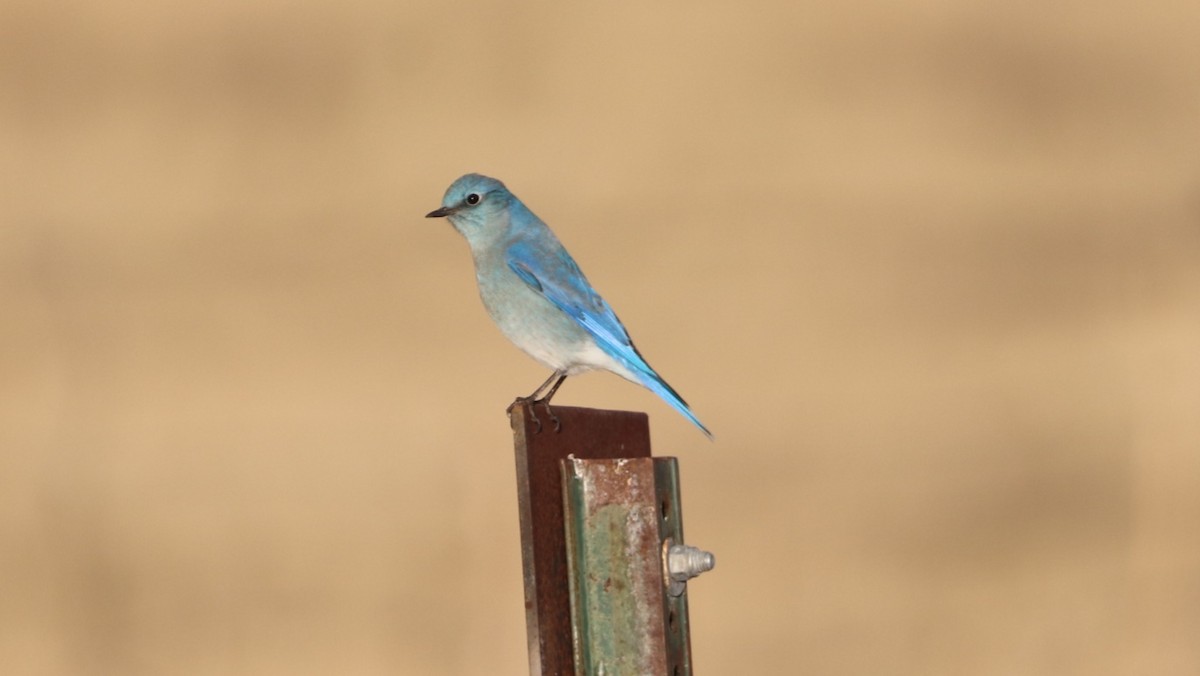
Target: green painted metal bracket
(628,597)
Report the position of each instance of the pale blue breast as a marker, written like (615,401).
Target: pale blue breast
(532,322)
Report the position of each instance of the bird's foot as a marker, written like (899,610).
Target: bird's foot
(533,412)
(550,412)
(532,415)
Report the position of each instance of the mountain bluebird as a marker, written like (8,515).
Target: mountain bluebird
(538,296)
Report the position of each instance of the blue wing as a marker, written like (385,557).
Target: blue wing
(550,270)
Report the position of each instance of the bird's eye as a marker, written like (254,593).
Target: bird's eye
(473,199)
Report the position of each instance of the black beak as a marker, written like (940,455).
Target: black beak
(439,213)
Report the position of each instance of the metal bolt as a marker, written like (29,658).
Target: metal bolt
(683,563)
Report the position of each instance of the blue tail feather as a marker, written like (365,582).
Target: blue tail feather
(654,382)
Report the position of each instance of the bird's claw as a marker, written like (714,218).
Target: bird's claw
(537,424)
(532,415)
(553,418)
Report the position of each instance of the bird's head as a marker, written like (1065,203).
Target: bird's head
(475,206)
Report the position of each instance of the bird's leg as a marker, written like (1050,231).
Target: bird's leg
(546,400)
(533,399)
(559,375)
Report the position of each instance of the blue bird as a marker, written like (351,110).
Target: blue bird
(538,296)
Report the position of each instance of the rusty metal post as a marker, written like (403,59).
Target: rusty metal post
(602,546)
(585,433)
(624,547)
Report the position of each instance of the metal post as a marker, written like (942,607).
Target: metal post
(604,585)
(584,433)
(623,528)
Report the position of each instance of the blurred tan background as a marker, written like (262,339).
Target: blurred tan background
(930,271)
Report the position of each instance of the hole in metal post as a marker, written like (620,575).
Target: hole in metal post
(666,509)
